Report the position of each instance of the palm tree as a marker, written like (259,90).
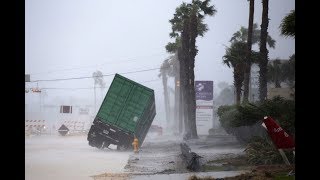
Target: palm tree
(187,24)
(264,52)
(175,48)
(242,36)
(98,80)
(247,69)
(287,25)
(198,12)
(177,23)
(174,72)
(163,73)
(235,58)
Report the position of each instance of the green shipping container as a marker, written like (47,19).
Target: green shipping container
(128,109)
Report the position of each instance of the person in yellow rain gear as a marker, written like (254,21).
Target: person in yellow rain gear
(135,144)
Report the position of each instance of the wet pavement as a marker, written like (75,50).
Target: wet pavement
(160,157)
(58,157)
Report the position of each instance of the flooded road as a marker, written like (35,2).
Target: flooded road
(68,158)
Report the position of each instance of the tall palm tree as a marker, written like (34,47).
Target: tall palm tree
(175,73)
(179,77)
(188,24)
(247,69)
(164,73)
(198,11)
(264,52)
(177,23)
(287,25)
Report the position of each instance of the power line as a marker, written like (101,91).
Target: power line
(91,87)
(86,77)
(82,67)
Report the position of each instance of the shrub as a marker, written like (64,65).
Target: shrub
(283,111)
(262,151)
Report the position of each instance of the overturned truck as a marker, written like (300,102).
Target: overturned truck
(127,111)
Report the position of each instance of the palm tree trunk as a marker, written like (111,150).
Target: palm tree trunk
(192,54)
(166,98)
(238,80)
(192,106)
(178,92)
(183,97)
(237,87)
(263,52)
(238,95)
(178,99)
(185,37)
(248,58)
(277,84)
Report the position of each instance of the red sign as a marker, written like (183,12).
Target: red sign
(204,107)
(280,138)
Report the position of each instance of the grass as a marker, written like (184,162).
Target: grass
(283,176)
(227,164)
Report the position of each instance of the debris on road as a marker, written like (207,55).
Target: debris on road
(191,158)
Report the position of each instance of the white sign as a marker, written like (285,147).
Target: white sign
(204,106)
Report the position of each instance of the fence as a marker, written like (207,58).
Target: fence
(35,127)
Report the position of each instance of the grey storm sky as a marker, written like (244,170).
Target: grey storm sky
(74,38)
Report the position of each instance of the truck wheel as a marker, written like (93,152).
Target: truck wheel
(99,145)
(91,143)
(105,144)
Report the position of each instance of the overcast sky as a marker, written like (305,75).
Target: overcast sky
(74,38)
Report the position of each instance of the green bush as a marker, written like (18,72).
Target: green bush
(283,111)
(227,115)
(222,109)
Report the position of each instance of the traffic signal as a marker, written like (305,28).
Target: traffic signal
(178,83)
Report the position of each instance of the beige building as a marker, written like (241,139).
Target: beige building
(285,91)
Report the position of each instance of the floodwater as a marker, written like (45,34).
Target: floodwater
(69,157)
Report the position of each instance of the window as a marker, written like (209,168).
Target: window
(66,109)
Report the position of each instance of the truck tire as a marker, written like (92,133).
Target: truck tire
(91,143)
(105,144)
(97,144)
